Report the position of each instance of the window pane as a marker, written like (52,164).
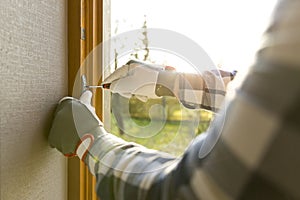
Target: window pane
(229,31)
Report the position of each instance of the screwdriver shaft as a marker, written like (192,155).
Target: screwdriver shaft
(104,86)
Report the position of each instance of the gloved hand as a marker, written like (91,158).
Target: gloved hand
(75,126)
(206,90)
(135,78)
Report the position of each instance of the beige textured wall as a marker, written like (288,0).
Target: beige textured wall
(33,77)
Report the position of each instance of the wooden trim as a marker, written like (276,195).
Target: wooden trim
(73,66)
(91,16)
(98,60)
(83,53)
(73,42)
(97,65)
(84,34)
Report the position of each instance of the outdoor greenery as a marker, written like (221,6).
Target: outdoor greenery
(162,124)
(180,128)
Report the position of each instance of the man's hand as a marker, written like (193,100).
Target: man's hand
(75,122)
(206,90)
(135,78)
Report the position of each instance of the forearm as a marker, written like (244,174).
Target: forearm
(126,170)
(206,90)
(251,151)
(255,155)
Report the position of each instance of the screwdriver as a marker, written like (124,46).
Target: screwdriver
(85,86)
(103,86)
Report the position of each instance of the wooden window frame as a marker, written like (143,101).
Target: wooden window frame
(85,32)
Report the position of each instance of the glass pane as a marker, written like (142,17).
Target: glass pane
(228,31)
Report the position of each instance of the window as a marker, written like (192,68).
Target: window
(227,30)
(84,33)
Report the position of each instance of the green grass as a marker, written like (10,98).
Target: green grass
(173,137)
(181,125)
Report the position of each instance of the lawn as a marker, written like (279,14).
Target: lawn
(171,134)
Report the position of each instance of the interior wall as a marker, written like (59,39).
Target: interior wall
(33,77)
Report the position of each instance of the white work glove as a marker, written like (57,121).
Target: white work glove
(135,78)
(75,126)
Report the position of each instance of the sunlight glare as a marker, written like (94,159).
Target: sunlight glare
(230,31)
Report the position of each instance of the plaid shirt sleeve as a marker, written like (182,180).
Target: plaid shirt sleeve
(251,150)
(206,90)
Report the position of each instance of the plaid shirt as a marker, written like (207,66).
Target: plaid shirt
(206,90)
(256,156)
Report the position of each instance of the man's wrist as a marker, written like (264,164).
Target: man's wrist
(166,83)
(84,145)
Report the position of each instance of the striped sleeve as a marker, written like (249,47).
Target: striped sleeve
(127,170)
(206,90)
(251,150)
